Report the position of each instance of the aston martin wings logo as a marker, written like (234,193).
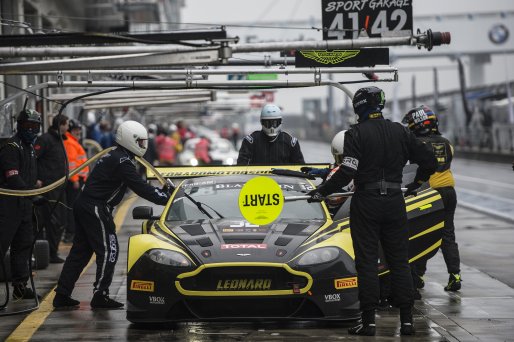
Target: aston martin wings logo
(329,57)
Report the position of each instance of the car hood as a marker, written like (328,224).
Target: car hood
(226,240)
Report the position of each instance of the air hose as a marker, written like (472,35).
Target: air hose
(57,183)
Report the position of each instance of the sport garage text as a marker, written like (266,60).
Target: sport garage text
(359,5)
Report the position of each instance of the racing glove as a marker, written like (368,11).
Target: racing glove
(322,173)
(316,196)
(411,189)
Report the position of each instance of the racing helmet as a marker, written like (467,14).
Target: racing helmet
(28,125)
(133,136)
(368,100)
(271,120)
(421,120)
(338,147)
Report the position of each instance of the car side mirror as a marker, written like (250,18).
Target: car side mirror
(142,213)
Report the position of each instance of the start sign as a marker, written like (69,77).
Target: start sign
(261,200)
(344,19)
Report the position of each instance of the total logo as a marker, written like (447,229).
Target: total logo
(244,246)
(336,297)
(156,300)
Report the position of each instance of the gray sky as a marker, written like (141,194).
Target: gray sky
(255,12)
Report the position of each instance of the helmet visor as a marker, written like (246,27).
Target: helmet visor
(30,125)
(271,123)
(142,143)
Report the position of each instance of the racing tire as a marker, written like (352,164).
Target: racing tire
(7,265)
(41,255)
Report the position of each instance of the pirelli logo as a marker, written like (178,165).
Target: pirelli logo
(142,285)
(345,283)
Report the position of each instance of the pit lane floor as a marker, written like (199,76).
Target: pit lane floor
(482,310)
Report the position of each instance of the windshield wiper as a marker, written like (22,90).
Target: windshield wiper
(200,207)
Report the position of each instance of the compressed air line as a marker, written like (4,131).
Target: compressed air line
(35,192)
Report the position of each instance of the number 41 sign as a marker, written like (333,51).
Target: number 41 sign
(344,19)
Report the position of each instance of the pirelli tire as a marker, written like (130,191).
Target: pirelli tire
(41,255)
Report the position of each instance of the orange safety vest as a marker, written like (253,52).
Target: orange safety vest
(76,157)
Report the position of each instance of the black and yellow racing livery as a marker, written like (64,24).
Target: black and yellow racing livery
(201,260)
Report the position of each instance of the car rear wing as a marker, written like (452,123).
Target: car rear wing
(176,172)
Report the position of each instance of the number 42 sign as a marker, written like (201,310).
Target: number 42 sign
(344,19)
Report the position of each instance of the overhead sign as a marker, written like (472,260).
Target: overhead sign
(342,58)
(344,19)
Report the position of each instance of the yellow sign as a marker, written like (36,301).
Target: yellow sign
(345,283)
(142,285)
(261,200)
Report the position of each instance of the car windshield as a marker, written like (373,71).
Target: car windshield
(219,198)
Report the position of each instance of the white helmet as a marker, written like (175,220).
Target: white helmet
(271,120)
(133,136)
(338,147)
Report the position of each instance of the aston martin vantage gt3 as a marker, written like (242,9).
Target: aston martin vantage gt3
(201,260)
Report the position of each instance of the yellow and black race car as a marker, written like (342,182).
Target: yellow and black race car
(201,260)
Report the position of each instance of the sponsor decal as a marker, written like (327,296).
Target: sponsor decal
(142,285)
(243,254)
(243,284)
(345,283)
(10,173)
(156,300)
(350,162)
(329,298)
(114,250)
(244,246)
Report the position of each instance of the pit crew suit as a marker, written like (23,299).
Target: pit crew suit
(259,148)
(95,231)
(18,172)
(375,152)
(423,122)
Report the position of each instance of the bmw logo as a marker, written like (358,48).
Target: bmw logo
(499,34)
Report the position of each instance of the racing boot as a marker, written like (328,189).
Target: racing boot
(366,326)
(453,282)
(21,291)
(407,323)
(63,301)
(102,301)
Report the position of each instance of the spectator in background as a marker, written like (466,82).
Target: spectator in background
(106,134)
(202,148)
(184,131)
(166,148)
(76,157)
(224,132)
(51,166)
(173,133)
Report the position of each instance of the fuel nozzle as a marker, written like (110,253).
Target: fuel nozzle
(429,39)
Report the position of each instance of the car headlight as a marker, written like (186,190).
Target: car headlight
(169,258)
(230,161)
(193,162)
(318,256)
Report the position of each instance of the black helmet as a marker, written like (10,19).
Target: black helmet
(73,124)
(28,125)
(421,120)
(368,100)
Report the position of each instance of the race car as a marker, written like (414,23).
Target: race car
(202,260)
